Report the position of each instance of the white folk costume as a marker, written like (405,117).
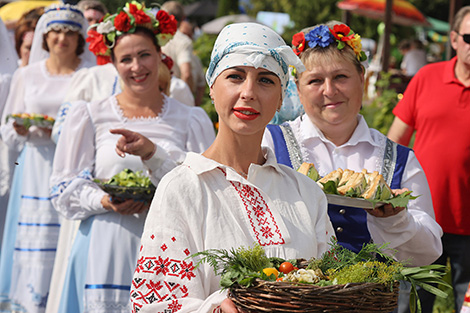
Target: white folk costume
(413,232)
(109,241)
(35,90)
(8,64)
(203,204)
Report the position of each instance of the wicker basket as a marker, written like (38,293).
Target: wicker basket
(269,296)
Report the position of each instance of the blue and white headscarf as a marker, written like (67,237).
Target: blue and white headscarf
(251,44)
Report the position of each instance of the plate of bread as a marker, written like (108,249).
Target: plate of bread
(356,189)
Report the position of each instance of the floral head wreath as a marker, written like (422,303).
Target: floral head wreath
(102,36)
(323,36)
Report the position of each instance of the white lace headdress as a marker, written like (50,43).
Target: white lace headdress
(59,17)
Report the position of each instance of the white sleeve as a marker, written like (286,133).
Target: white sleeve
(73,192)
(414,232)
(165,275)
(5,80)
(14,104)
(201,131)
(201,134)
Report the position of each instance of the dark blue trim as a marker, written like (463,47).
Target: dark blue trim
(36,198)
(35,250)
(280,146)
(66,22)
(402,158)
(107,286)
(65,8)
(38,224)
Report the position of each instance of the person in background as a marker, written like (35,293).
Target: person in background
(332,134)
(199,83)
(435,107)
(180,48)
(104,251)
(212,200)
(93,10)
(24,34)
(58,51)
(414,56)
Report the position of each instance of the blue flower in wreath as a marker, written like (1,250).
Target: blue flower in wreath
(319,36)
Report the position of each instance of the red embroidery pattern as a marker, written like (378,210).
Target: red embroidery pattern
(157,291)
(155,288)
(261,218)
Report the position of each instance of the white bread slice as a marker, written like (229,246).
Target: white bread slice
(334,176)
(376,184)
(347,174)
(355,185)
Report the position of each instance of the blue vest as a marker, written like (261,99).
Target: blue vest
(350,223)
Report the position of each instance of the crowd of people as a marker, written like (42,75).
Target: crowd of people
(124,89)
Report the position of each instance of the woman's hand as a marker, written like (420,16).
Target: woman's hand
(126,207)
(133,143)
(20,129)
(387,210)
(227,306)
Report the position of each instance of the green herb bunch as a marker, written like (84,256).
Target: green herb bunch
(239,266)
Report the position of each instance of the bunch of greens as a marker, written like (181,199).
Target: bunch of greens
(129,178)
(243,265)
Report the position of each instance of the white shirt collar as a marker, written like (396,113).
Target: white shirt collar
(361,133)
(200,164)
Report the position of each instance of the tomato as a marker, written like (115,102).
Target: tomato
(270,270)
(286,267)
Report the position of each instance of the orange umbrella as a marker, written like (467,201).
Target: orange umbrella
(403,12)
(13,10)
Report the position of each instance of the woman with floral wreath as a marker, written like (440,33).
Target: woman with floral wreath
(332,134)
(105,249)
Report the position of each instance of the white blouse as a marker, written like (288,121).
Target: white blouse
(414,233)
(86,149)
(202,205)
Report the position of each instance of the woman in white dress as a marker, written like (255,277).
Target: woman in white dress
(235,193)
(58,51)
(332,134)
(105,249)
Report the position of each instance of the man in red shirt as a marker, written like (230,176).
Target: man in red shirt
(436,105)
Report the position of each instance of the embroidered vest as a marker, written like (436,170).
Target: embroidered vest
(350,223)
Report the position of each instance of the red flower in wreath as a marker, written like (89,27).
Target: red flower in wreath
(96,41)
(342,32)
(139,15)
(167,23)
(122,22)
(298,41)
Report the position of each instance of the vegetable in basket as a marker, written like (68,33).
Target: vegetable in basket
(338,266)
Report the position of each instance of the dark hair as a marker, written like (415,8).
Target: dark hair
(138,30)
(80,45)
(458,19)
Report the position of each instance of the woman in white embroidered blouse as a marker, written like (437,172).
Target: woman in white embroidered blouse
(104,253)
(235,193)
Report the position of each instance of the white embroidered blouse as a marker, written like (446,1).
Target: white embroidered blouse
(202,205)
